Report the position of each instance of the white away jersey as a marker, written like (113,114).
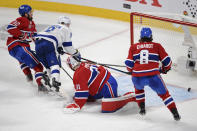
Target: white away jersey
(60,35)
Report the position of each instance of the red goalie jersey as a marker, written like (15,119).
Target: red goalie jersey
(144,58)
(88,80)
(16,29)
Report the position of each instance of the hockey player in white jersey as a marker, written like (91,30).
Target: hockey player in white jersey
(51,42)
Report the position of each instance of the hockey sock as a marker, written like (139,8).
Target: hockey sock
(140,96)
(38,73)
(26,70)
(168,101)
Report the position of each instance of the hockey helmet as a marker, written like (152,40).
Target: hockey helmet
(24,9)
(72,63)
(64,19)
(146,32)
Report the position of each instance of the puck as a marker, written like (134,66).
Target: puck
(189,89)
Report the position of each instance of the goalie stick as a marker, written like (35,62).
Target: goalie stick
(102,63)
(107,65)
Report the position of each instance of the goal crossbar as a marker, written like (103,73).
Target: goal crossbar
(156,18)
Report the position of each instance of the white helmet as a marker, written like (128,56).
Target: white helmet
(64,19)
(72,63)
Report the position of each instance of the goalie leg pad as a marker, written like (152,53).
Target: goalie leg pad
(110,105)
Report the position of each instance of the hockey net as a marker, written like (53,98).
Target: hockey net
(176,33)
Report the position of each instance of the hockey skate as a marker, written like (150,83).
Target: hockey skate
(56,84)
(29,77)
(142,108)
(175,114)
(41,87)
(46,79)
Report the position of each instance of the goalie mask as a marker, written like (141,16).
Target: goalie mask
(72,63)
(64,20)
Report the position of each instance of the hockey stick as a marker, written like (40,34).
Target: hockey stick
(97,62)
(102,63)
(106,65)
(66,72)
(114,65)
(128,73)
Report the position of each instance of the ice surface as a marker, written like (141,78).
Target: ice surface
(104,41)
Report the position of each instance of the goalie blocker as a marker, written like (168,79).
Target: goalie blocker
(110,105)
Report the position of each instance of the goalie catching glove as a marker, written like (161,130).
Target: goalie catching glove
(71,108)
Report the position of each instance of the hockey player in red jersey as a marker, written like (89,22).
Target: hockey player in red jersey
(93,82)
(143,62)
(90,81)
(21,33)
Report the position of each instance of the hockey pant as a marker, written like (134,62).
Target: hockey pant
(27,60)
(157,84)
(49,57)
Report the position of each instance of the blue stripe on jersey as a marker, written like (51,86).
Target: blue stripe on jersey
(55,71)
(65,44)
(135,57)
(168,101)
(153,57)
(84,94)
(48,36)
(10,26)
(106,72)
(129,63)
(166,61)
(93,75)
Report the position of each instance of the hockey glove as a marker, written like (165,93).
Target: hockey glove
(27,36)
(163,70)
(77,56)
(71,108)
(60,50)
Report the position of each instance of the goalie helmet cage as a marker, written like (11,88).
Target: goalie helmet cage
(141,18)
